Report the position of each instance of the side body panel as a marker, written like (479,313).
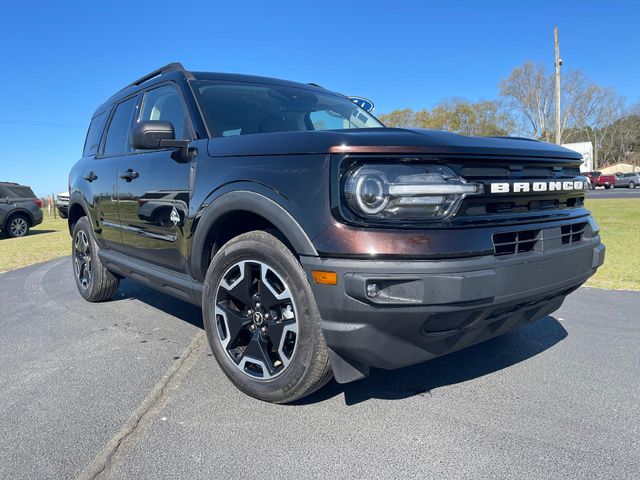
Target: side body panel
(153,208)
(98,197)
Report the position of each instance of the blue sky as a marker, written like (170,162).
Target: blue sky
(62,59)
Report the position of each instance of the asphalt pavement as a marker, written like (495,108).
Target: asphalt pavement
(128,389)
(603,193)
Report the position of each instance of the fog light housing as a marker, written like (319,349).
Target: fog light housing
(372,290)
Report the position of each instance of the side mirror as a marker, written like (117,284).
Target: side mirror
(157,134)
(153,134)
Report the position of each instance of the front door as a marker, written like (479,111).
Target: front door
(154,188)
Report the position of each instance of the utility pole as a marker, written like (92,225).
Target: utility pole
(558,64)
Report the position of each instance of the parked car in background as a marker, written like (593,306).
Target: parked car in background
(20,209)
(62,204)
(628,180)
(598,179)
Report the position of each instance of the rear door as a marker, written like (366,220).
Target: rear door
(102,175)
(154,187)
(5,206)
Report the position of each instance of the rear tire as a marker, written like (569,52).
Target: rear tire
(17,226)
(95,283)
(632,185)
(262,321)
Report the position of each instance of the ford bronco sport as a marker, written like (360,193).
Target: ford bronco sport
(318,242)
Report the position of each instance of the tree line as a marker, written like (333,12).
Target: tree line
(590,113)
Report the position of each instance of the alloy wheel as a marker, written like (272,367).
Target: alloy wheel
(18,227)
(82,259)
(256,319)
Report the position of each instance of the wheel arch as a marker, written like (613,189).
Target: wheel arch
(77,210)
(241,211)
(19,211)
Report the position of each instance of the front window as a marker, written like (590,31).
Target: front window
(245,108)
(164,103)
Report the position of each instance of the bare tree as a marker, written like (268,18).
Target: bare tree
(528,91)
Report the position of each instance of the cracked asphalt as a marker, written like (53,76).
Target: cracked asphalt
(128,389)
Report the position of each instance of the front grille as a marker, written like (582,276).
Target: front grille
(518,171)
(511,243)
(539,240)
(515,203)
(573,233)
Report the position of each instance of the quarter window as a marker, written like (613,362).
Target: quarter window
(164,104)
(118,141)
(92,142)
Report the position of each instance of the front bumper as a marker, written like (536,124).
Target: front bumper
(62,206)
(424,309)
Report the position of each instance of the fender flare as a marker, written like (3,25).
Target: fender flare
(17,210)
(253,202)
(76,198)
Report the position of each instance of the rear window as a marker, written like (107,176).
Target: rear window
(18,191)
(117,142)
(94,135)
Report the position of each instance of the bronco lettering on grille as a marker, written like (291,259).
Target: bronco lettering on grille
(523,187)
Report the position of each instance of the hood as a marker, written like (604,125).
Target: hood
(383,140)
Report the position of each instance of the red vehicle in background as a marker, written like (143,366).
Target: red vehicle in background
(597,179)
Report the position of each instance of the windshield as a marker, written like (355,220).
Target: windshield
(245,108)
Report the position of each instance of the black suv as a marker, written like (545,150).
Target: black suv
(20,209)
(317,241)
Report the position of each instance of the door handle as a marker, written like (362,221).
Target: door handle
(90,177)
(129,174)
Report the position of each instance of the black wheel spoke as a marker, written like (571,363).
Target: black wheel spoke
(243,291)
(236,322)
(275,333)
(267,298)
(258,349)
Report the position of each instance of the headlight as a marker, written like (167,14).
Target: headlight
(406,191)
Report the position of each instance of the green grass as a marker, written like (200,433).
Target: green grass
(619,221)
(44,242)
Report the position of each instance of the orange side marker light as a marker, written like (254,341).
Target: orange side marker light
(325,278)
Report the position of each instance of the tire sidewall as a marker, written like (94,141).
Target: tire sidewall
(265,248)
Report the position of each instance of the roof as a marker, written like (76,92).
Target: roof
(175,71)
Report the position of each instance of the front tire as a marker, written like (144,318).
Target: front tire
(95,283)
(632,185)
(262,321)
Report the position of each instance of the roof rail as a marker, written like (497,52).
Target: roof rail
(172,67)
